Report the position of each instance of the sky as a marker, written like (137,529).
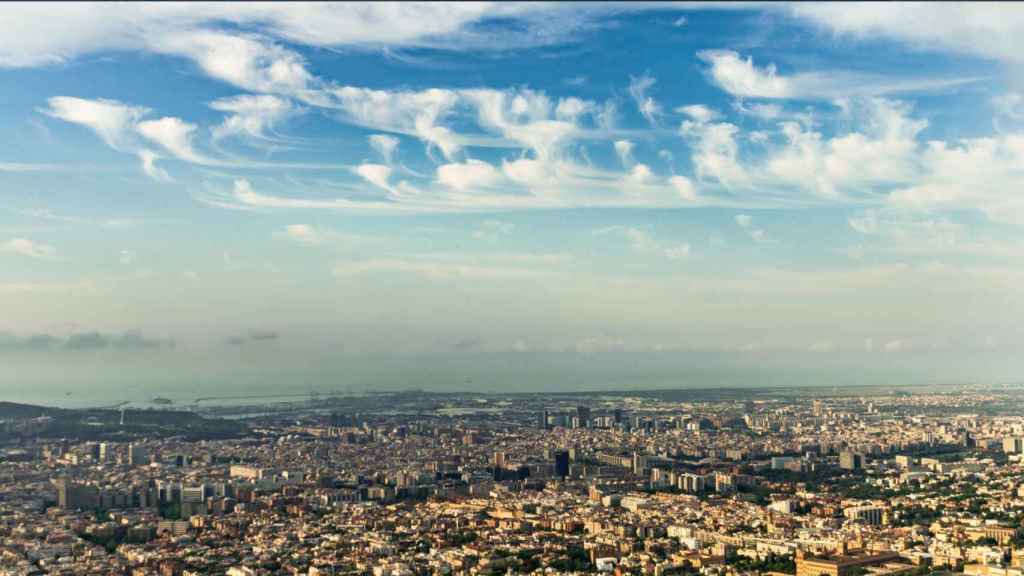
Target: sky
(505,196)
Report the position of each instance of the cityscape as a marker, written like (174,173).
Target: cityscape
(504,288)
(755,481)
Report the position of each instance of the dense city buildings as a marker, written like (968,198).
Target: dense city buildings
(756,481)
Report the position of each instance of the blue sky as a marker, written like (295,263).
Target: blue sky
(201,193)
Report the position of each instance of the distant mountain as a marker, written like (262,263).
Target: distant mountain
(115,424)
(15,410)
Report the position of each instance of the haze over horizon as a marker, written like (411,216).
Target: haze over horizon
(226,197)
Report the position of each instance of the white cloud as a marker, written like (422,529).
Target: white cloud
(758,136)
(883,153)
(875,156)
(376,174)
(572,108)
(742,78)
(467,176)
(744,220)
(991,30)
(385,24)
(698,112)
(120,126)
(684,186)
(524,117)
(526,171)
(607,115)
(645,104)
(759,110)
(476,185)
(245,61)
(28,248)
(624,150)
(253,116)
(148,159)
(413,113)
(175,135)
(973,174)
(243,197)
(385,145)
(127,257)
(113,121)
(39,34)
(640,174)
(310,235)
(716,153)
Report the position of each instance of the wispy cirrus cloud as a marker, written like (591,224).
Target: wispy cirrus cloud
(642,242)
(741,77)
(987,30)
(255,117)
(94,27)
(549,133)
(648,107)
(32,167)
(125,128)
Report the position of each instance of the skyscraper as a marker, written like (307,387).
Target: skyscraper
(850,461)
(639,463)
(137,455)
(1013,445)
(561,463)
(583,413)
(72,496)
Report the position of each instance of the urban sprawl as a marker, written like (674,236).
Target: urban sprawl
(718,482)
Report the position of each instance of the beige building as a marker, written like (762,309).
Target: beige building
(844,564)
